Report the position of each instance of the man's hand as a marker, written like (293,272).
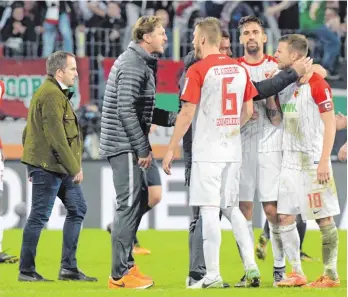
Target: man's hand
(342,153)
(302,65)
(167,162)
(145,162)
(323,172)
(341,121)
(255,115)
(78,178)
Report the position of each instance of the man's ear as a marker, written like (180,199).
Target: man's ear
(264,38)
(294,56)
(202,40)
(146,38)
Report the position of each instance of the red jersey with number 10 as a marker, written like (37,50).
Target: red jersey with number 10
(218,85)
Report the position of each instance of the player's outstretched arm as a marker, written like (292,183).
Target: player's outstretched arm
(273,111)
(269,87)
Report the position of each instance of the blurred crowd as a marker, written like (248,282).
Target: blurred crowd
(32,28)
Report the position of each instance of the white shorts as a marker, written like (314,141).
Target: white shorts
(214,184)
(300,193)
(260,173)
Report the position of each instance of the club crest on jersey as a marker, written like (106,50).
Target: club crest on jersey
(296,93)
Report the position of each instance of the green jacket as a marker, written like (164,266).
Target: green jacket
(52,138)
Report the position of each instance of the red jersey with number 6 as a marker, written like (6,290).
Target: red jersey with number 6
(219,85)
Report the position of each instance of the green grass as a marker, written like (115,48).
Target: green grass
(168,265)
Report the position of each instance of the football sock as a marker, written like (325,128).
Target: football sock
(291,246)
(211,230)
(277,245)
(330,249)
(245,243)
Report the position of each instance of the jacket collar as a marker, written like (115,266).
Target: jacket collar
(66,92)
(149,59)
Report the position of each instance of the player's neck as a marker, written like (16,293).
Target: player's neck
(211,51)
(254,58)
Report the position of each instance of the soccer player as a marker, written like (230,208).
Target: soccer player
(261,141)
(265,88)
(306,180)
(218,90)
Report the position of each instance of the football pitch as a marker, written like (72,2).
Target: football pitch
(168,265)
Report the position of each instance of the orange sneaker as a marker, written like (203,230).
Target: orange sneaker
(293,279)
(137,250)
(136,272)
(324,282)
(129,281)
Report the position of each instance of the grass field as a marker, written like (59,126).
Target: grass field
(168,265)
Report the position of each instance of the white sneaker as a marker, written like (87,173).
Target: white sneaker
(206,283)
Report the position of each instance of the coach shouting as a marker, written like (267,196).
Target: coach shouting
(52,151)
(128,112)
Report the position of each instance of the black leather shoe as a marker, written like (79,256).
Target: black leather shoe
(32,277)
(74,275)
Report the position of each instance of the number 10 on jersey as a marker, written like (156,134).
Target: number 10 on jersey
(229,100)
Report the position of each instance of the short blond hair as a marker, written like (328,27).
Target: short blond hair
(145,25)
(211,27)
(296,42)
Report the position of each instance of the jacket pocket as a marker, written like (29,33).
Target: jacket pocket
(71,129)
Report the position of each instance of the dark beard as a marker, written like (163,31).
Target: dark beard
(253,50)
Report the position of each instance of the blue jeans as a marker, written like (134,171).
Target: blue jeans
(50,33)
(46,186)
(331,46)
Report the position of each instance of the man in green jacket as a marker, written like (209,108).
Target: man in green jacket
(52,151)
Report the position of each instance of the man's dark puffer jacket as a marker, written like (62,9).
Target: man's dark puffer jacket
(128,106)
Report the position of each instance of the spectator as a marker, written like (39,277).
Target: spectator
(169,8)
(168,48)
(115,23)
(56,13)
(312,20)
(18,33)
(134,10)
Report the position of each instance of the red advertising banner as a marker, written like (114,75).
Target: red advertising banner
(168,74)
(23,77)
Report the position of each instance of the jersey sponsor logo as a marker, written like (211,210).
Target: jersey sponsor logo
(227,122)
(288,107)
